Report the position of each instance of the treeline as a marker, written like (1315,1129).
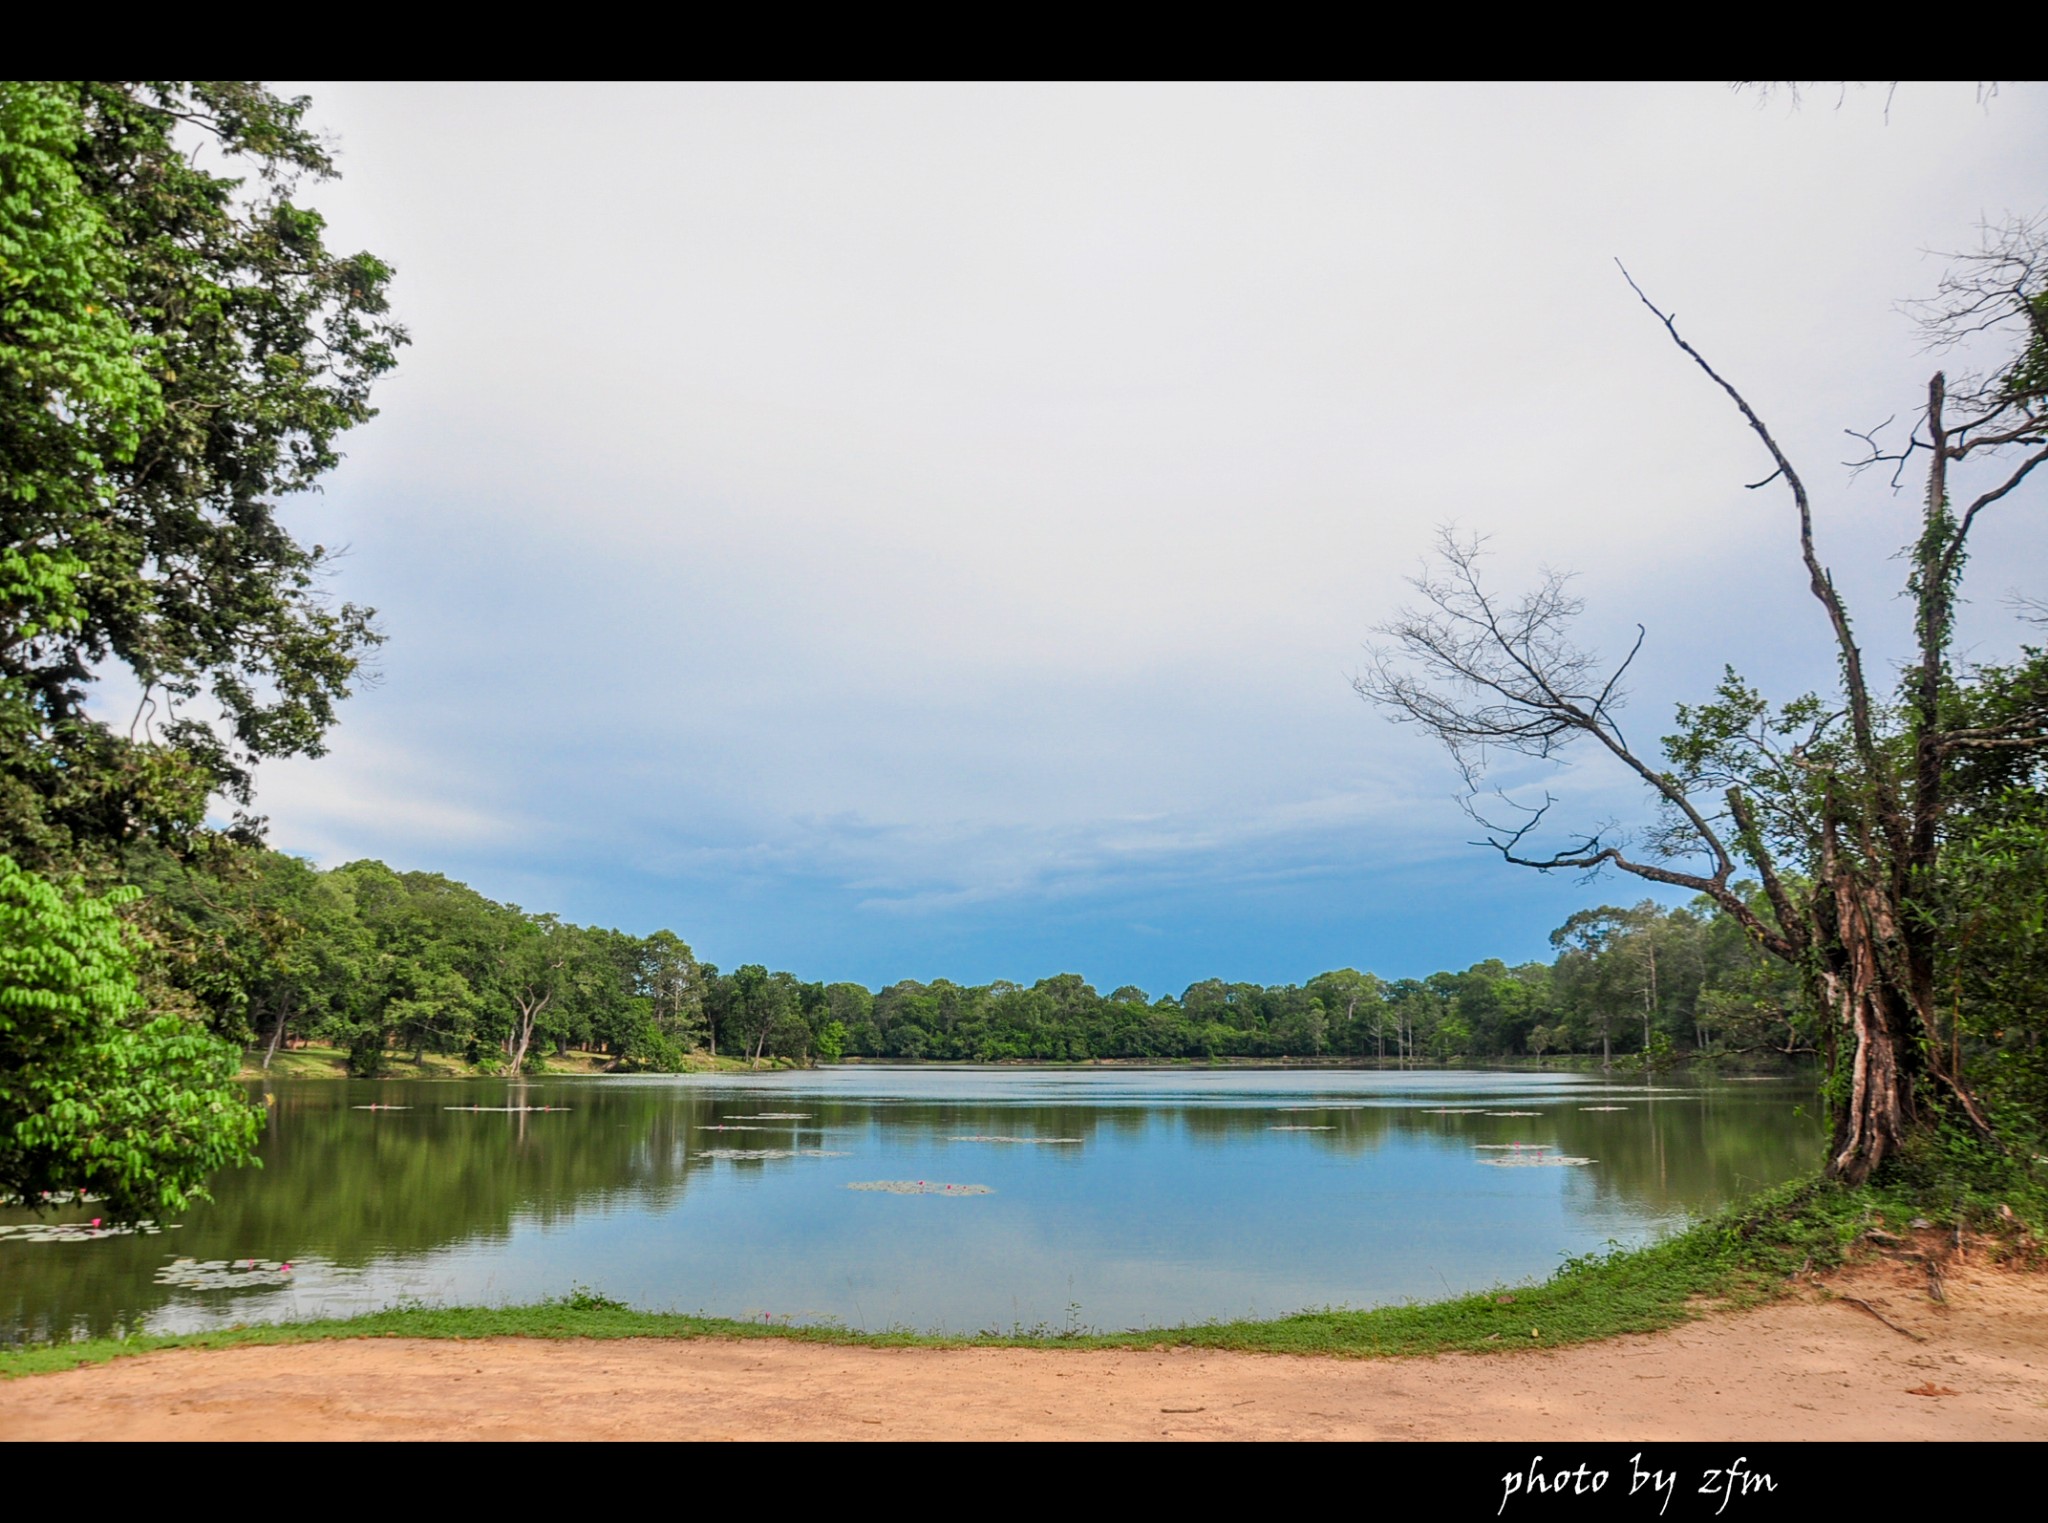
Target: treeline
(382,963)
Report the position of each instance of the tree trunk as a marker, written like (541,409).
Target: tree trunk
(1877,1017)
(527,1017)
(284,1014)
(1878,1110)
(1650,996)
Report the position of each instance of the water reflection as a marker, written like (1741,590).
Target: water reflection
(1114,1197)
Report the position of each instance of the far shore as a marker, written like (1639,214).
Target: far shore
(313,1061)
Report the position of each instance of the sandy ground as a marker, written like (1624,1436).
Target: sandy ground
(1810,1367)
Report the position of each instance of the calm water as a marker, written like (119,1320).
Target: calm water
(1145,1197)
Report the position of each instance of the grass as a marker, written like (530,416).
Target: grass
(316,1062)
(1744,1256)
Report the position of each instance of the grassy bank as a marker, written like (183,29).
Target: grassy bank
(316,1062)
(1744,1256)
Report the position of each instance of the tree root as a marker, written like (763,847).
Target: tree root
(1887,1321)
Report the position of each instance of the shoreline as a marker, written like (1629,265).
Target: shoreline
(1813,1312)
(1774,1245)
(317,1062)
(1868,1356)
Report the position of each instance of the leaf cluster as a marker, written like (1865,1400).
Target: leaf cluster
(178,351)
(98,1094)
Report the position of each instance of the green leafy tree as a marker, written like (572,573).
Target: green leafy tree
(831,1041)
(97,1095)
(669,976)
(537,977)
(178,350)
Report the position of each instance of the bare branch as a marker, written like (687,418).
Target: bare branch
(1999,284)
(1823,585)
(1481,675)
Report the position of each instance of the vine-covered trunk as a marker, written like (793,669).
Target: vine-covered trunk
(1876,981)
(1877,1104)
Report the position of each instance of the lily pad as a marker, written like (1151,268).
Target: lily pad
(76,1232)
(981,1137)
(505,1109)
(224,1274)
(771,1153)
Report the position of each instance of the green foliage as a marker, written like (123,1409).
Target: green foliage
(382,964)
(1969,1181)
(177,350)
(831,1042)
(581,1298)
(96,1094)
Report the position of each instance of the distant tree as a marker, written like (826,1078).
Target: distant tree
(673,982)
(535,974)
(831,1041)
(1352,1005)
(756,1004)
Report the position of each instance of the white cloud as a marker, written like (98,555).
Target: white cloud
(972,492)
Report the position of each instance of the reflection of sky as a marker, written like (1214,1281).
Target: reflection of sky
(1145,1086)
(1151,1221)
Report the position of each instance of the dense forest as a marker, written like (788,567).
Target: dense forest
(386,964)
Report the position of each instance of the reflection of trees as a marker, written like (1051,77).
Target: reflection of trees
(356,1186)
(1691,1149)
(351,1186)
(1698,1150)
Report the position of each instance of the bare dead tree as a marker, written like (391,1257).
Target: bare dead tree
(1795,91)
(1834,804)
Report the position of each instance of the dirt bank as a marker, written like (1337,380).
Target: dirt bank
(1810,1367)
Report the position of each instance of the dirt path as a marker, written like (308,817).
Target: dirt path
(1806,1368)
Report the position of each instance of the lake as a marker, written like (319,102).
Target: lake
(938,1198)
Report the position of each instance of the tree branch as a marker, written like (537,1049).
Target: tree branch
(1823,585)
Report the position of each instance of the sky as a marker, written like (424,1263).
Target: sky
(891,531)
